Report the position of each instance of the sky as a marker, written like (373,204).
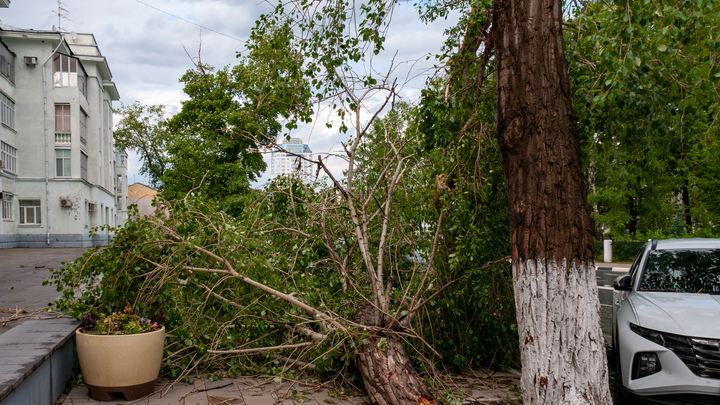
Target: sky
(149,44)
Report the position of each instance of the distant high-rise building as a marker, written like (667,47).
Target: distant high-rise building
(289,161)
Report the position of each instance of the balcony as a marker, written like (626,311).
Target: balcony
(63,137)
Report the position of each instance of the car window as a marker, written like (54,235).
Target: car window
(682,270)
(636,265)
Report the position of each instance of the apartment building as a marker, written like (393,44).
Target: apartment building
(289,161)
(60,175)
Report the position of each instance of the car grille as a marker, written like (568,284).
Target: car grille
(679,399)
(701,356)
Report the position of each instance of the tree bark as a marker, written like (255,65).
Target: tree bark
(686,204)
(385,367)
(561,343)
(632,210)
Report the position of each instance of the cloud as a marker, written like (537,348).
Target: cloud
(148,50)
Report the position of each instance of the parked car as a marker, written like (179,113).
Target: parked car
(666,324)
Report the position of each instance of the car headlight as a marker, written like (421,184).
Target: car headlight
(651,335)
(645,364)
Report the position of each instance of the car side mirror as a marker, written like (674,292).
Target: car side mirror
(623,283)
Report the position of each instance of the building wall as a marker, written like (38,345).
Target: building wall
(286,163)
(35,138)
(142,196)
(121,187)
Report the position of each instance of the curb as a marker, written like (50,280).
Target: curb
(614,269)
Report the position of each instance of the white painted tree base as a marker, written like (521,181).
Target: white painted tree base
(561,342)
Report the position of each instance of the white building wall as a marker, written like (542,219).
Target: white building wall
(35,138)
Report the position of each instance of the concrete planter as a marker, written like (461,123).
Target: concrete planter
(126,364)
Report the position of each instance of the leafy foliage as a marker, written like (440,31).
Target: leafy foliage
(143,129)
(457,115)
(147,263)
(421,212)
(478,323)
(646,88)
(212,146)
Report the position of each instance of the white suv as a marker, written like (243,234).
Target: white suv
(666,324)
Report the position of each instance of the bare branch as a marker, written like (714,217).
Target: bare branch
(220,297)
(316,336)
(260,349)
(205,270)
(297,231)
(295,362)
(197,187)
(411,313)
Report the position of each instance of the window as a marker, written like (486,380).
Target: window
(685,271)
(62,162)
(82,82)
(83,126)
(62,118)
(7,110)
(8,156)
(7,63)
(68,72)
(7,206)
(29,212)
(636,265)
(83,165)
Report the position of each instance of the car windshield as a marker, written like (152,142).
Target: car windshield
(683,270)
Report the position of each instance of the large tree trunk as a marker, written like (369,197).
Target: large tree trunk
(561,343)
(386,369)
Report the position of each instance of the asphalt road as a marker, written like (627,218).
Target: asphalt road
(22,272)
(605,280)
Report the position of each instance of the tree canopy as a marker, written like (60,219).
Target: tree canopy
(645,77)
(213,144)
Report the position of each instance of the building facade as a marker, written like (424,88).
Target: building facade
(286,163)
(142,196)
(60,175)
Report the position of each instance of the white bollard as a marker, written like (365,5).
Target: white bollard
(607,250)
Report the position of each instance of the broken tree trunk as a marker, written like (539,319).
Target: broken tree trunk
(386,369)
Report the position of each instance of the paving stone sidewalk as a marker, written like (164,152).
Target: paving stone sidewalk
(495,390)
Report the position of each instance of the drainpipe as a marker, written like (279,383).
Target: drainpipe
(47,141)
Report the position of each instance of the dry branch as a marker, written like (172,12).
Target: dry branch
(261,349)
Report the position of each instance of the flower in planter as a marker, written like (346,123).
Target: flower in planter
(120,323)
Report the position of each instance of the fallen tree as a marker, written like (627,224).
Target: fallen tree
(325,275)
(319,275)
